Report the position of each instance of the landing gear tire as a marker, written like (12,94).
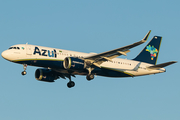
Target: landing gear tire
(24,67)
(90,77)
(70,84)
(24,73)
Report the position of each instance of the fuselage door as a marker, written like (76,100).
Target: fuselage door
(28,50)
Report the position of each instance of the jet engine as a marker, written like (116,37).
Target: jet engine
(45,75)
(73,63)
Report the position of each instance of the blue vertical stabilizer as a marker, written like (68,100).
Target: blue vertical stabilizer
(150,53)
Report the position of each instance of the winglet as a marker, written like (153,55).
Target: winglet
(146,36)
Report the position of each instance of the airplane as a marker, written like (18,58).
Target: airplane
(60,63)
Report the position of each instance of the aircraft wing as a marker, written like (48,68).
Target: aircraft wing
(98,59)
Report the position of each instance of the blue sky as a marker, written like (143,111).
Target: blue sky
(90,26)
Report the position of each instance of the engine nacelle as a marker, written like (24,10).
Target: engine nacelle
(74,63)
(45,75)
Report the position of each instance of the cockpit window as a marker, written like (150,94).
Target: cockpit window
(14,48)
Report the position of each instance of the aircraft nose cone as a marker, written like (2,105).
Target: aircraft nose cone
(4,54)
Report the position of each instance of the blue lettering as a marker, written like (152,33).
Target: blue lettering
(43,52)
(37,51)
(55,53)
(49,54)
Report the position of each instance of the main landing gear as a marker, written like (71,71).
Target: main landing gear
(90,77)
(70,84)
(24,67)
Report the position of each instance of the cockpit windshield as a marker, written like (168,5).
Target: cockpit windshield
(14,48)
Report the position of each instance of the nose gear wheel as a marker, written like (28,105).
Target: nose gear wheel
(24,67)
(24,73)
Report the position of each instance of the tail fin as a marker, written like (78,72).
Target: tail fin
(150,53)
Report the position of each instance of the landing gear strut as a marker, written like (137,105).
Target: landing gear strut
(24,67)
(90,76)
(70,84)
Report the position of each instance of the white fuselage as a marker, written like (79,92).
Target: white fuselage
(26,52)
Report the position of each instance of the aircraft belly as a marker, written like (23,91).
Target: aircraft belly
(103,71)
(111,72)
(42,63)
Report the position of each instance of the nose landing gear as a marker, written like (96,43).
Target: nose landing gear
(24,67)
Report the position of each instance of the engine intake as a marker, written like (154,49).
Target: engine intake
(74,63)
(45,75)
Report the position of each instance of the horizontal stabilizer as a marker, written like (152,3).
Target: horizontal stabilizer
(155,67)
